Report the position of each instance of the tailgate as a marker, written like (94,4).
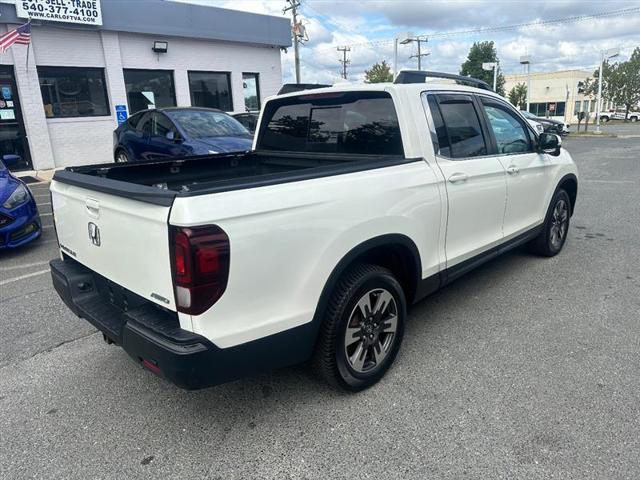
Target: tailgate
(122,239)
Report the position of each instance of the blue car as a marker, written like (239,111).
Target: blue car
(19,218)
(178,132)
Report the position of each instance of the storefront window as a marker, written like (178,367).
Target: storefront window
(211,90)
(149,89)
(251,87)
(73,92)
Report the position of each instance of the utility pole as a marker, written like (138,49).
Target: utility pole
(293,5)
(344,60)
(604,55)
(419,39)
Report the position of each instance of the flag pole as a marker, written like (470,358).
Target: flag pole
(28,48)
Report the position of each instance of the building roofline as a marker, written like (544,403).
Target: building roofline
(171,18)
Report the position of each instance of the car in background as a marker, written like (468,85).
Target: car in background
(549,125)
(19,218)
(248,119)
(178,132)
(619,115)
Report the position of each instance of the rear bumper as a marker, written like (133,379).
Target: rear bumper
(154,339)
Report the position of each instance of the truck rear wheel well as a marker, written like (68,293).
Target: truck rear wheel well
(399,260)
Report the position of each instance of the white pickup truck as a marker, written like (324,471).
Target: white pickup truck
(355,202)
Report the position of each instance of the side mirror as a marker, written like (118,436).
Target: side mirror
(549,143)
(172,136)
(10,159)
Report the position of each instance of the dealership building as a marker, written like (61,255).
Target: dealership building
(88,69)
(558,94)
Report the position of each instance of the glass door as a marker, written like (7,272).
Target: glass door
(13,138)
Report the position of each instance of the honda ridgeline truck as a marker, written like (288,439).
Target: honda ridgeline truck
(355,202)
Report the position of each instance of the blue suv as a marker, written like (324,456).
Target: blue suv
(178,132)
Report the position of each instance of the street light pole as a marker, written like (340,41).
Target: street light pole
(494,66)
(604,55)
(526,60)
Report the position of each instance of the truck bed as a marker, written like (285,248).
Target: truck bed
(160,181)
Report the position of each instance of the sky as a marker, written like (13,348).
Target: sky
(368,27)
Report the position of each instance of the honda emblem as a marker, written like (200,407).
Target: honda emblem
(94,234)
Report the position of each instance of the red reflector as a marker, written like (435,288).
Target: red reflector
(149,365)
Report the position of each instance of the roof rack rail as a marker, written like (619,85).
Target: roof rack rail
(299,87)
(419,76)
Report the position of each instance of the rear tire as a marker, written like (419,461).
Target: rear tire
(362,328)
(555,229)
(634,119)
(604,119)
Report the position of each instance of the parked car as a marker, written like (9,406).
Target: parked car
(19,218)
(178,132)
(549,125)
(619,115)
(249,120)
(313,245)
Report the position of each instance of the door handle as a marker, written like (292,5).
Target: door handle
(513,170)
(93,207)
(458,177)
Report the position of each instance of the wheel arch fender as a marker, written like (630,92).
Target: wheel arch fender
(569,183)
(380,250)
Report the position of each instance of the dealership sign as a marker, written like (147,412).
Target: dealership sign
(69,11)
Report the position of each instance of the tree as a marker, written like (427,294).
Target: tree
(518,96)
(479,53)
(379,72)
(620,82)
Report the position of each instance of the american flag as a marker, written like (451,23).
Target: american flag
(21,35)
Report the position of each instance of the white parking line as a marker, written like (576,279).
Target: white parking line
(26,265)
(22,277)
(46,214)
(42,204)
(44,227)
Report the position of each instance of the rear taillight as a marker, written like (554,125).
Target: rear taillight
(200,262)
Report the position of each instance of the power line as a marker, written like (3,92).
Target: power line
(557,21)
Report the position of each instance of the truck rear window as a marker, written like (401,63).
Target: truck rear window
(362,123)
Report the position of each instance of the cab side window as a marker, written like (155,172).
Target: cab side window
(510,133)
(457,126)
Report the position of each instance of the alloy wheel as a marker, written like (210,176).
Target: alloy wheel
(371,330)
(559,224)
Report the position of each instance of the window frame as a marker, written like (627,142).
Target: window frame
(433,121)
(257,76)
(229,84)
(82,69)
(519,117)
(171,76)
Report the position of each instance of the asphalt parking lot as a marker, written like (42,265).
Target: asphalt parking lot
(525,368)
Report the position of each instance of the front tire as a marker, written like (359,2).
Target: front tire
(362,328)
(555,229)
(121,157)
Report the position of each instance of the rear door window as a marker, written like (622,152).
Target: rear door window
(458,126)
(360,123)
